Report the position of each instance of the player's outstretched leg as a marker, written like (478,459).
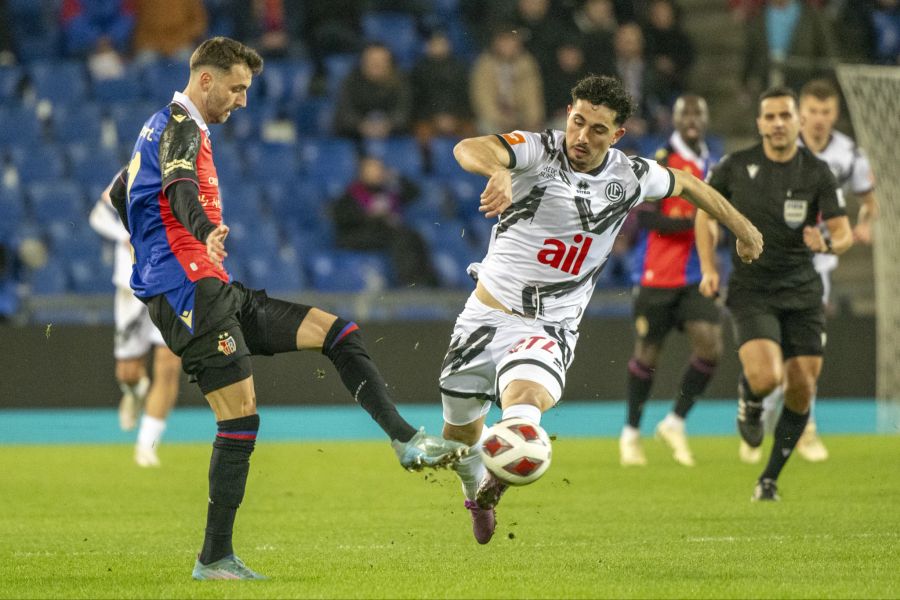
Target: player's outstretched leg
(640,380)
(343,345)
(471,472)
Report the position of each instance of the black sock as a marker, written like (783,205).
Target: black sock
(228,469)
(344,347)
(640,379)
(695,379)
(788,430)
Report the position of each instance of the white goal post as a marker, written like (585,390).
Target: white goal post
(873,97)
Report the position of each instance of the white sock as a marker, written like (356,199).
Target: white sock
(528,412)
(471,468)
(630,433)
(673,421)
(772,408)
(150,432)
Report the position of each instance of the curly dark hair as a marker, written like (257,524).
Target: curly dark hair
(223,52)
(608,91)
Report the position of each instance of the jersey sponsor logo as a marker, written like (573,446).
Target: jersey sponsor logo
(178,163)
(614,191)
(513,138)
(795,212)
(584,188)
(568,259)
(210,201)
(530,342)
(549,173)
(752,170)
(226,344)
(146,133)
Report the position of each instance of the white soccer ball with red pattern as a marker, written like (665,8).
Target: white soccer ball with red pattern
(516,451)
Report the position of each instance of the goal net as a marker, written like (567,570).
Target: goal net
(873,97)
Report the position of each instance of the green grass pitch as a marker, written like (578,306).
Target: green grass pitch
(343,520)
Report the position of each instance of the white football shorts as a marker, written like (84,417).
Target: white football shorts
(135,332)
(489,349)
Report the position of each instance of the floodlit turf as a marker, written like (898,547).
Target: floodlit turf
(343,520)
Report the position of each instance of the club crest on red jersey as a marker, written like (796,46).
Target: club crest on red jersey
(227,345)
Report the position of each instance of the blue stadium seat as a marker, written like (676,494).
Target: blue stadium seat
(82,122)
(337,67)
(129,118)
(12,211)
(38,163)
(241,201)
(466,192)
(347,271)
(402,154)
(432,204)
(315,116)
(397,31)
(19,126)
(286,81)
(88,275)
(272,162)
(51,279)
(279,273)
(648,144)
(60,82)
(307,241)
(10,79)
(61,200)
(300,202)
(161,79)
(443,163)
(93,165)
(258,237)
(121,89)
(330,158)
(75,239)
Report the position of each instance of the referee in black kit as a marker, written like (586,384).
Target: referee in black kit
(776,301)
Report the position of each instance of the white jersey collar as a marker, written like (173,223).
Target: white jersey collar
(184,101)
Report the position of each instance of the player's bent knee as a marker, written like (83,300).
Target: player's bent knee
(527,392)
(464,411)
(342,339)
(315,328)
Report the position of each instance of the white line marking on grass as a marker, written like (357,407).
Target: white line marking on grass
(776,537)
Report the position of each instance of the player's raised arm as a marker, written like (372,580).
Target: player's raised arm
(703,196)
(486,155)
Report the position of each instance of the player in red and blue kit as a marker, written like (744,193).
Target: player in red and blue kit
(667,275)
(168,197)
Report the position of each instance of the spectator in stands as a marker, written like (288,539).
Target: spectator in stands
(274,28)
(332,27)
(505,86)
(440,91)
(560,79)
(884,19)
(369,217)
(483,18)
(640,79)
(89,26)
(7,47)
(539,31)
(788,42)
(168,29)
(98,31)
(596,24)
(669,48)
(375,99)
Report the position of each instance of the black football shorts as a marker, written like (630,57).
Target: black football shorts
(658,310)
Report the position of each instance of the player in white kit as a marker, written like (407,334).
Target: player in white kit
(135,336)
(819,110)
(561,198)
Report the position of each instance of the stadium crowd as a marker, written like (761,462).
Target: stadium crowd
(349,88)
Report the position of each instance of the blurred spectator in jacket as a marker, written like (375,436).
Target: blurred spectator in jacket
(559,81)
(506,87)
(273,27)
(7,47)
(539,31)
(375,99)
(884,21)
(788,43)
(369,216)
(668,47)
(168,29)
(440,91)
(98,31)
(640,79)
(596,25)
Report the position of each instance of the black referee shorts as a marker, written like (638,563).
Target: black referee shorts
(658,310)
(799,331)
(231,323)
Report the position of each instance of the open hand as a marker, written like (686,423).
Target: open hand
(215,245)
(497,194)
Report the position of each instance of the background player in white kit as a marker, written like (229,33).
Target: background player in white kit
(562,198)
(819,111)
(135,336)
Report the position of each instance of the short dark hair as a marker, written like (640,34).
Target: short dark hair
(821,89)
(605,90)
(778,91)
(224,53)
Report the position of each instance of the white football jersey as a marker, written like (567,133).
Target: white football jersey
(548,248)
(848,163)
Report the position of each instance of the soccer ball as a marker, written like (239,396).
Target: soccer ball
(516,451)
